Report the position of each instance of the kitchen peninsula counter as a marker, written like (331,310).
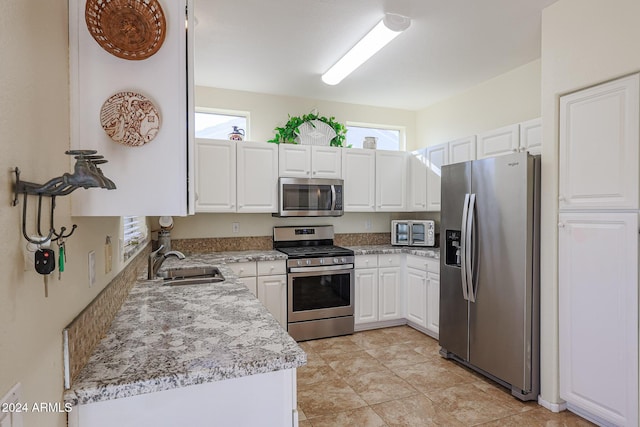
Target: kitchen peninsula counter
(169,337)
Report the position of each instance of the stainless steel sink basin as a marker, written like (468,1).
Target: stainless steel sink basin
(191,276)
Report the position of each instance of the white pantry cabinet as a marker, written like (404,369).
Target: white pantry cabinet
(599,146)
(310,161)
(272,288)
(257,177)
(437,156)
(215,165)
(462,150)
(152,179)
(359,172)
(417,200)
(598,315)
(391,180)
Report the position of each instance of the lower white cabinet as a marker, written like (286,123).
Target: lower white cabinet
(272,288)
(598,315)
(247,274)
(390,287)
(423,293)
(366,295)
(433,302)
(417,296)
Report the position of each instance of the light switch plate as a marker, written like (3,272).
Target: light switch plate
(92,268)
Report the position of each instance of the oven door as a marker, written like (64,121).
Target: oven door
(320,292)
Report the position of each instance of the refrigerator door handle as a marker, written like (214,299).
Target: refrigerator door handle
(469,249)
(463,258)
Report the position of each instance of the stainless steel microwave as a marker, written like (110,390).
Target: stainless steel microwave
(413,232)
(310,197)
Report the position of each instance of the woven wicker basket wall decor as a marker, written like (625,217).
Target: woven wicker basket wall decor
(128,29)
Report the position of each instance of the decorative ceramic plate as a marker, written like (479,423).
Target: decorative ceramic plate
(130,118)
(315,132)
(128,29)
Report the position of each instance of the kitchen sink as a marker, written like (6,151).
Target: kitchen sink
(191,276)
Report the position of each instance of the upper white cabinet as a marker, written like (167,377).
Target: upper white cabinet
(531,136)
(359,172)
(598,314)
(257,177)
(462,150)
(599,147)
(500,141)
(310,161)
(151,179)
(417,184)
(437,156)
(215,175)
(391,180)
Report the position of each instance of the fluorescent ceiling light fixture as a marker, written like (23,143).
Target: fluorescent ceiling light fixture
(386,30)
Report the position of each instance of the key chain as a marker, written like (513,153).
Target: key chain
(61,257)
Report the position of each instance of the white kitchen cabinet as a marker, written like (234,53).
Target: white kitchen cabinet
(155,178)
(215,167)
(437,156)
(307,161)
(598,315)
(462,150)
(391,181)
(257,177)
(598,152)
(390,287)
(359,172)
(433,302)
(423,293)
(366,295)
(272,288)
(417,296)
(531,136)
(417,200)
(504,140)
(247,274)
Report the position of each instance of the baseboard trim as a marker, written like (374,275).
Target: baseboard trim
(553,407)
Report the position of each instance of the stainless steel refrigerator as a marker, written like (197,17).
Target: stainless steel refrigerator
(489,269)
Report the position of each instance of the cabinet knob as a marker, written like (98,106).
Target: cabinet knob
(307,172)
(315,172)
(561,198)
(515,150)
(561,225)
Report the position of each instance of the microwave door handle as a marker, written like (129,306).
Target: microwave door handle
(463,238)
(333,197)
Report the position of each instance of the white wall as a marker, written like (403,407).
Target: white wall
(269,111)
(506,99)
(34,133)
(584,42)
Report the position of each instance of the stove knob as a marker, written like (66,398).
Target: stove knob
(299,262)
(344,260)
(308,262)
(336,260)
(321,260)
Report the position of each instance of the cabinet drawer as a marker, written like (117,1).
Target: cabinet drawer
(433,265)
(389,260)
(366,261)
(243,269)
(418,262)
(270,268)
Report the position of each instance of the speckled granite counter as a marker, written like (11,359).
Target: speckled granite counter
(166,337)
(389,249)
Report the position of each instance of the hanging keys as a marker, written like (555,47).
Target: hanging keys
(62,257)
(45,263)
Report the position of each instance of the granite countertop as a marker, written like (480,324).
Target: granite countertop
(390,249)
(167,337)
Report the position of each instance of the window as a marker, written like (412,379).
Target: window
(218,124)
(134,234)
(389,137)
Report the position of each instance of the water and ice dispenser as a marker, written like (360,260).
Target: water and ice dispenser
(452,248)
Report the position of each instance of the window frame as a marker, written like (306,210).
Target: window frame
(126,236)
(402,139)
(229,112)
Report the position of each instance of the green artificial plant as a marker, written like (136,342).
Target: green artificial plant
(288,133)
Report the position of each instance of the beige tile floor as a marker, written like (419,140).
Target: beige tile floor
(395,377)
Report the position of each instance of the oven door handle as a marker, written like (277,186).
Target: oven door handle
(321,268)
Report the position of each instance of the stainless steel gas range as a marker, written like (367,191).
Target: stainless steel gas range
(320,282)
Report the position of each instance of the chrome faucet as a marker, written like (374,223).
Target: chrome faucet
(156,258)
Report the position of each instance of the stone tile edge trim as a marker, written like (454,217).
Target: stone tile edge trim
(84,332)
(263,243)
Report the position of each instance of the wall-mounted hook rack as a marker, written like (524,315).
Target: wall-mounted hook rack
(86,174)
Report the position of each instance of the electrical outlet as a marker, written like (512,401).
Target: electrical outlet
(92,268)
(235,227)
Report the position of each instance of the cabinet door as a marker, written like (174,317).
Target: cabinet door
(151,179)
(505,140)
(462,150)
(326,162)
(366,295)
(390,301)
(272,293)
(433,302)
(598,307)
(599,146)
(437,156)
(294,160)
(257,185)
(251,284)
(391,181)
(417,181)
(215,175)
(531,136)
(417,296)
(359,173)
